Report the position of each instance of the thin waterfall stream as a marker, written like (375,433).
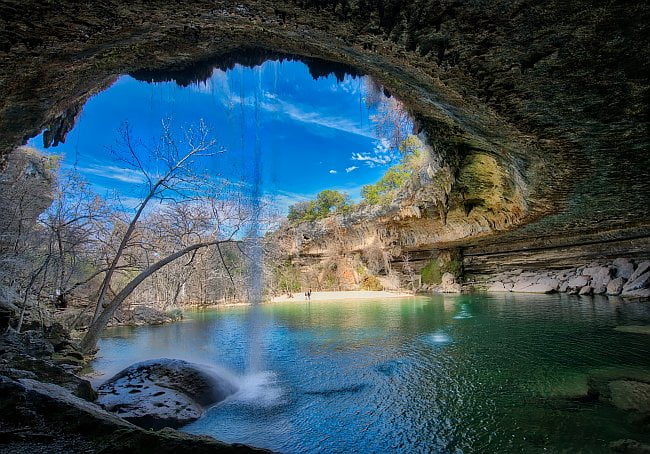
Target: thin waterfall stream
(256,256)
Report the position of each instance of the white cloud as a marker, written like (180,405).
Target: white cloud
(272,103)
(351,169)
(382,154)
(111,172)
(296,113)
(333,172)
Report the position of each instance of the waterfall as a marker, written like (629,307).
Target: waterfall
(256,255)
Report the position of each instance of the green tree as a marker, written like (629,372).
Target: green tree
(384,190)
(301,211)
(327,202)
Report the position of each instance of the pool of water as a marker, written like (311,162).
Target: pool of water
(471,373)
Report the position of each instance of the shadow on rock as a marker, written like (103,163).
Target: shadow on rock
(164,392)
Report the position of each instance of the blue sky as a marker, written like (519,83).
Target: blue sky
(311,134)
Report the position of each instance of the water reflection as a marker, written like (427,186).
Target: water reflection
(464,312)
(442,374)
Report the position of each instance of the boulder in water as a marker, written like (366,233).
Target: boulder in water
(615,286)
(164,392)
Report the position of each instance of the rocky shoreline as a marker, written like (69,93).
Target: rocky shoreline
(621,278)
(45,407)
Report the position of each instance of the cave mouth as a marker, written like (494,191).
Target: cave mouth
(312,124)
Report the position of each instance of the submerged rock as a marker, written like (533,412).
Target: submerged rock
(628,446)
(630,395)
(634,329)
(638,293)
(164,392)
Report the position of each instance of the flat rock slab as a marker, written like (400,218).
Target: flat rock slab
(634,329)
(499,287)
(163,392)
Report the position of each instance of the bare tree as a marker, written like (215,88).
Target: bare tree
(197,218)
(75,222)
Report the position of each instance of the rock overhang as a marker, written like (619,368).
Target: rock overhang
(493,84)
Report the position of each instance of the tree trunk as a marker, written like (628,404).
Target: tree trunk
(89,341)
(118,254)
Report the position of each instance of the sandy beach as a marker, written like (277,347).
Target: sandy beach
(339,296)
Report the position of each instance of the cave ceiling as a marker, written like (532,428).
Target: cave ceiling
(556,92)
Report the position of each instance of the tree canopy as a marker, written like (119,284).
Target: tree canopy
(327,202)
(384,190)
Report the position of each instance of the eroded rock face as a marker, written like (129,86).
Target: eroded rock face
(164,392)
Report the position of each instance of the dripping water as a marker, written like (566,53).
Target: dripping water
(256,252)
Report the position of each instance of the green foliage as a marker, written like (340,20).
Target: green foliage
(327,202)
(382,192)
(287,277)
(455,265)
(450,261)
(175,314)
(481,180)
(431,273)
(371,282)
(414,156)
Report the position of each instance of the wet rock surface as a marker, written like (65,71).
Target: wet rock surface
(47,356)
(630,395)
(46,408)
(38,417)
(163,392)
(630,447)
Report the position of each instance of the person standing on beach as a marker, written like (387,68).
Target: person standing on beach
(309,294)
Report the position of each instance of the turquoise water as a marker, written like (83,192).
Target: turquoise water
(471,373)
